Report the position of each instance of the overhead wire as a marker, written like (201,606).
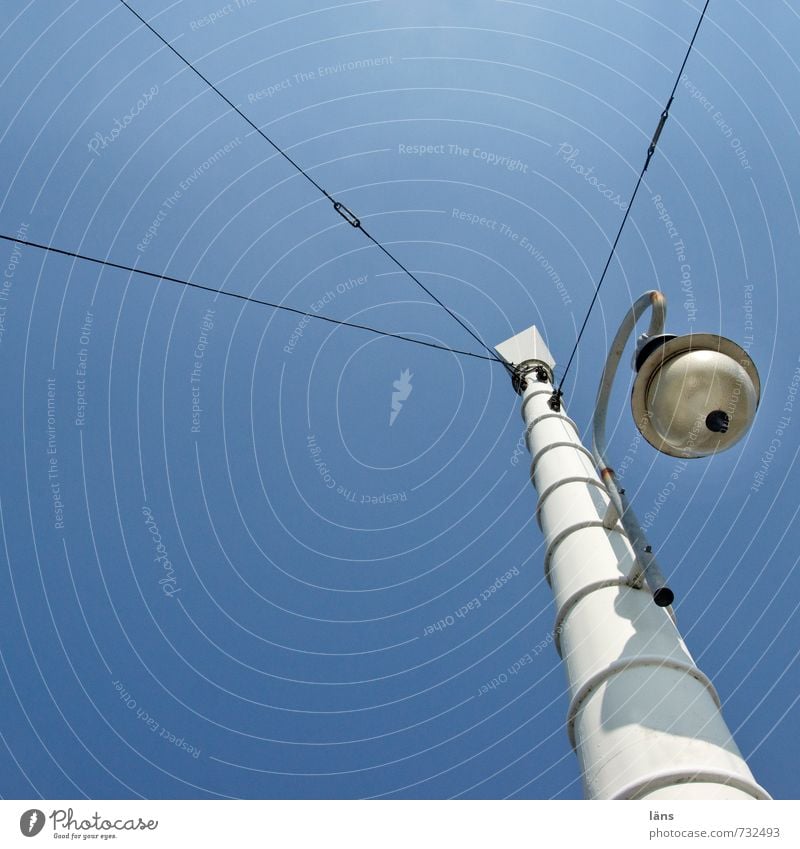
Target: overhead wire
(558,393)
(339,207)
(191,284)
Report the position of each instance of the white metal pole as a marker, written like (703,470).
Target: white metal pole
(645,722)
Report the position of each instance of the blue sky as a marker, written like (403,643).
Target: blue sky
(222,563)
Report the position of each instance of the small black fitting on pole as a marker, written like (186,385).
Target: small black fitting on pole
(662,594)
(528,370)
(518,380)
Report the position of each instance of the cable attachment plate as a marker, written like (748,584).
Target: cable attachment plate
(346,214)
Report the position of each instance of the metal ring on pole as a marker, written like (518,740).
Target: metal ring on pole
(559,483)
(562,535)
(550,446)
(531,395)
(568,606)
(538,419)
(701,775)
(631,663)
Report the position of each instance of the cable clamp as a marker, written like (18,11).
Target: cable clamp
(520,373)
(346,214)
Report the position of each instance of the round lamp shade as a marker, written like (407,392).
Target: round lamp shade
(695,395)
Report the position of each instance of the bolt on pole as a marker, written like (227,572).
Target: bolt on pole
(644,721)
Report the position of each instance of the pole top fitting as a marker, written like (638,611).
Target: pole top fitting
(526,354)
(537,370)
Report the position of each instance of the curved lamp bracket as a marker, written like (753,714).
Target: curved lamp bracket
(646,568)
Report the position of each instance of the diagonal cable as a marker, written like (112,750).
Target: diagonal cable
(650,151)
(205,288)
(339,207)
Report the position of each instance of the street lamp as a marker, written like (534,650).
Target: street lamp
(693,396)
(644,720)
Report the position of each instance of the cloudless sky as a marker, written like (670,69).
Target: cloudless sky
(222,561)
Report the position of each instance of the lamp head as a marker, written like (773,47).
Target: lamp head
(694,395)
